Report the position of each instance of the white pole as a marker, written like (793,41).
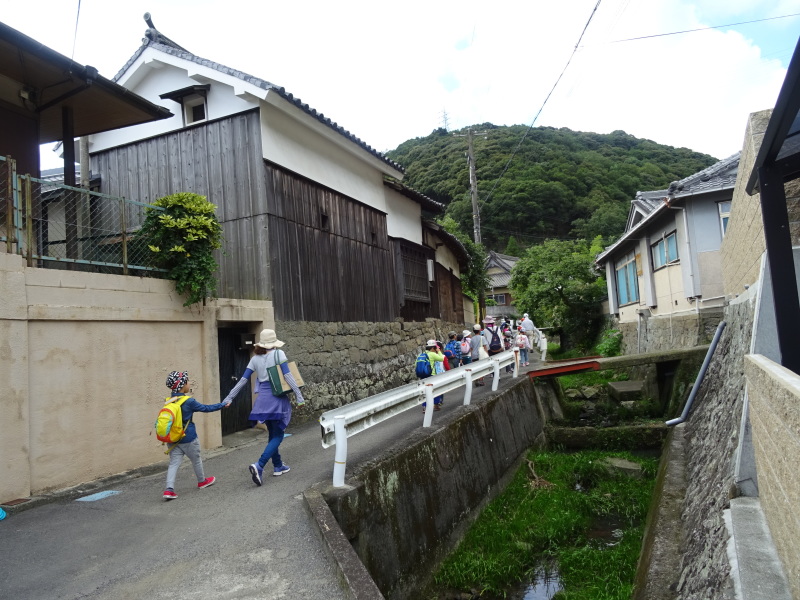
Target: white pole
(426,422)
(340,457)
(468,386)
(496,371)
(516,362)
(543,347)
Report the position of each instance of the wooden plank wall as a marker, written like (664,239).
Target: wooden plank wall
(220,160)
(451,305)
(330,255)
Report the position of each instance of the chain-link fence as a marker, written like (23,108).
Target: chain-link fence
(51,224)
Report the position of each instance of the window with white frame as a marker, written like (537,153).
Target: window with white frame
(499,299)
(724,214)
(665,250)
(194,109)
(627,281)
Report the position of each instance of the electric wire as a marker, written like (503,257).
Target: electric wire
(75,36)
(647,37)
(541,108)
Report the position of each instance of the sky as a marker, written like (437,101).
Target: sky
(389,72)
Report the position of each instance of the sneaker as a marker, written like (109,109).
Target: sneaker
(278,471)
(207,482)
(256,473)
(170,495)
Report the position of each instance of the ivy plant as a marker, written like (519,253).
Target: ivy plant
(182,239)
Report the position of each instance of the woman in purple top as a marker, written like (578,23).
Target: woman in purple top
(274,411)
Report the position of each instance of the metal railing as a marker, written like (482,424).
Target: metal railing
(340,423)
(49,222)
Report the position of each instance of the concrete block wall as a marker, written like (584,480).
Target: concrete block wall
(774,399)
(743,244)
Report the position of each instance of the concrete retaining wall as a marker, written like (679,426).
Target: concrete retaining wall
(405,511)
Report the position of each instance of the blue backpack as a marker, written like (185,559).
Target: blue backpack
(423,368)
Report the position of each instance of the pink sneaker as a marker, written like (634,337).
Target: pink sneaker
(207,482)
(170,495)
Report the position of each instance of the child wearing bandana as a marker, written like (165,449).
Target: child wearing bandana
(178,383)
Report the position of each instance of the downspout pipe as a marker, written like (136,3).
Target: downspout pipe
(700,376)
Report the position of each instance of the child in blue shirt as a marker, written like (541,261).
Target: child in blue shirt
(178,382)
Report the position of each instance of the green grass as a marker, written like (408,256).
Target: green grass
(589,378)
(525,526)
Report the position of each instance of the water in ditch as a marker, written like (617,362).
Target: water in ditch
(543,586)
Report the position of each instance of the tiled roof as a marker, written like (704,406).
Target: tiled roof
(503,261)
(427,203)
(719,176)
(158,41)
(500,280)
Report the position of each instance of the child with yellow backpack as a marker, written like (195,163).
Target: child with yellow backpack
(174,427)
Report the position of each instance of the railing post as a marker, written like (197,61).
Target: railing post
(496,371)
(29,221)
(543,347)
(426,422)
(468,386)
(340,456)
(516,363)
(123,224)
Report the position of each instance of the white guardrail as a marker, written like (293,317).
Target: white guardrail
(341,423)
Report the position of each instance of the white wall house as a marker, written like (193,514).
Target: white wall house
(667,262)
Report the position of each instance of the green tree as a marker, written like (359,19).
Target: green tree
(474,279)
(558,284)
(182,239)
(513,248)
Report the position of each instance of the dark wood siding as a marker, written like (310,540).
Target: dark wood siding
(330,255)
(451,303)
(220,160)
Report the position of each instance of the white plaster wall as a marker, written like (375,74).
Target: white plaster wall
(302,147)
(84,357)
(403,217)
(151,76)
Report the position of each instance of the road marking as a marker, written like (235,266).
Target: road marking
(97,496)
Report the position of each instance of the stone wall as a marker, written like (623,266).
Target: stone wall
(712,432)
(345,362)
(405,511)
(655,334)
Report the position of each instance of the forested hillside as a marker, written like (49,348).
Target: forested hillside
(560,184)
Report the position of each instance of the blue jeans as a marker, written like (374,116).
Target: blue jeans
(271,451)
(523,355)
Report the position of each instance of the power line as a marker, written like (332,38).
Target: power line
(75,37)
(574,50)
(646,37)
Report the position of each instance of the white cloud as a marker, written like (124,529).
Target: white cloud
(387,72)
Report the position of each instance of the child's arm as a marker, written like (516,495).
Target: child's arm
(196,406)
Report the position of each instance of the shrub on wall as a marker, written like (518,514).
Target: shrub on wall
(182,239)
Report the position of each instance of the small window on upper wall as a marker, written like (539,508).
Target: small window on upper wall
(194,109)
(665,251)
(724,214)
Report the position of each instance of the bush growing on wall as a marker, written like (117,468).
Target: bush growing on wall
(182,240)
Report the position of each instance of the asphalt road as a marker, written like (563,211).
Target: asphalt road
(232,540)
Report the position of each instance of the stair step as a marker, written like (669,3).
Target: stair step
(622,391)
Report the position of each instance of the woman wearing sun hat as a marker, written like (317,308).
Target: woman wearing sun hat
(274,411)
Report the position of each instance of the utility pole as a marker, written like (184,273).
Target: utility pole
(473,185)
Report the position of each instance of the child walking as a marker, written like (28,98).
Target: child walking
(178,383)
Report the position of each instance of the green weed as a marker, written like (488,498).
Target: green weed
(538,519)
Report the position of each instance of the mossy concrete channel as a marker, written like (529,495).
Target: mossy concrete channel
(401,513)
